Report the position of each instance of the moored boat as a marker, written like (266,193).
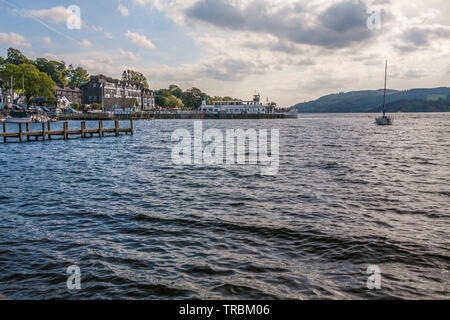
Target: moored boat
(18,117)
(384,120)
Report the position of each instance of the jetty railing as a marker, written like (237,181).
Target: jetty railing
(65,133)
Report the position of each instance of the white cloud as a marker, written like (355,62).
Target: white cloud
(139,40)
(128,55)
(14,39)
(86,43)
(108,35)
(55,14)
(51,56)
(123,10)
(47,40)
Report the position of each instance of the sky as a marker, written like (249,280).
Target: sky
(287,50)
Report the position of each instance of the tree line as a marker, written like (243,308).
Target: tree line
(191,99)
(39,77)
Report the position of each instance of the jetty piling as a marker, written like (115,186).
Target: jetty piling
(20,132)
(65,132)
(4,131)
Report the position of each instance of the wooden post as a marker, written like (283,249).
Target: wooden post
(66,127)
(4,131)
(116,126)
(83,129)
(27,129)
(131,126)
(49,129)
(20,132)
(100,128)
(43,131)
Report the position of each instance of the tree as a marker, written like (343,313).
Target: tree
(36,83)
(176,91)
(193,98)
(77,76)
(56,70)
(14,56)
(2,61)
(164,98)
(131,77)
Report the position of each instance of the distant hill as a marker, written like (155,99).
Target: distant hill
(416,106)
(414,100)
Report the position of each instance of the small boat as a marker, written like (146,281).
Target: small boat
(18,117)
(384,120)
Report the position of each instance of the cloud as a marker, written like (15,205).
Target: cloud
(123,10)
(51,56)
(108,35)
(139,40)
(413,74)
(14,39)
(86,43)
(55,14)
(128,55)
(421,36)
(337,26)
(47,40)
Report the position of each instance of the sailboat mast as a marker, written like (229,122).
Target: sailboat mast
(385,86)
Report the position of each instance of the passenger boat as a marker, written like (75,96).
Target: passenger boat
(238,107)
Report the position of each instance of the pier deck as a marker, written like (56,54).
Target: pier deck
(47,133)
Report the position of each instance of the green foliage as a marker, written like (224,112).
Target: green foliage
(36,83)
(14,56)
(76,105)
(56,70)
(365,101)
(193,98)
(77,76)
(97,106)
(132,77)
(440,105)
(165,99)
(176,91)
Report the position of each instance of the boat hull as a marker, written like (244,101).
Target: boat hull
(18,120)
(384,121)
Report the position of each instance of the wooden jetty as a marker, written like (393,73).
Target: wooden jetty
(47,133)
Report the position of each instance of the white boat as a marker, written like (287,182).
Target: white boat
(384,120)
(238,107)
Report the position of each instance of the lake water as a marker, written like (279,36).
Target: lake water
(348,195)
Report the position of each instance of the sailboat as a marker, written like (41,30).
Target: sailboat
(385,120)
